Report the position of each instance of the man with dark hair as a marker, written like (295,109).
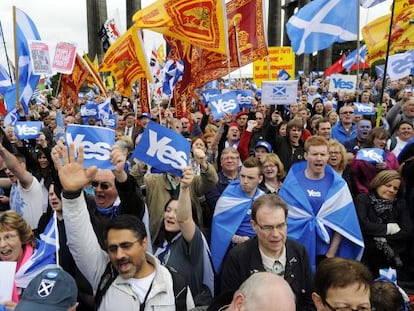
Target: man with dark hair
(142,283)
(324,128)
(270,251)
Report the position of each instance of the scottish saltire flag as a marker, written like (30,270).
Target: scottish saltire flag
(97,142)
(104,108)
(43,257)
(231,208)
(279,92)
(111,121)
(26,30)
(372,155)
(60,126)
(27,129)
(224,103)
(379,70)
(4,80)
(173,72)
(364,109)
(337,213)
(321,23)
(12,117)
(209,93)
(370,3)
(163,149)
(351,59)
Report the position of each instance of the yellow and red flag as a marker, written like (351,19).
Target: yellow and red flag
(376,34)
(94,75)
(71,83)
(199,23)
(126,60)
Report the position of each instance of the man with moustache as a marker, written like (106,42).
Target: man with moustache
(142,283)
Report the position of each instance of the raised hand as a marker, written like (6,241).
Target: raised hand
(187,178)
(73,176)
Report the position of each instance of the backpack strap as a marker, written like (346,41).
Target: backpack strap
(107,278)
(180,289)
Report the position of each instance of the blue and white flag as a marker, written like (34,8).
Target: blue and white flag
(369,3)
(400,65)
(164,149)
(96,141)
(60,126)
(363,109)
(283,75)
(231,208)
(224,103)
(321,23)
(371,155)
(379,70)
(207,94)
(26,30)
(351,59)
(43,257)
(279,92)
(28,129)
(211,85)
(337,214)
(11,117)
(5,82)
(173,72)
(104,109)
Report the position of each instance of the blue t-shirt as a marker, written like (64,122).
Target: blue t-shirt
(315,190)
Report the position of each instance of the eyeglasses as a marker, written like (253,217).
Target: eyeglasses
(8,237)
(347,308)
(270,166)
(347,112)
(229,158)
(268,228)
(334,152)
(113,249)
(103,185)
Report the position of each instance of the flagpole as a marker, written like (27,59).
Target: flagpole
(237,49)
(5,50)
(387,54)
(57,246)
(358,39)
(16,57)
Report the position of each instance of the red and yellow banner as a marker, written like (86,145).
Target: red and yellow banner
(71,83)
(199,23)
(126,60)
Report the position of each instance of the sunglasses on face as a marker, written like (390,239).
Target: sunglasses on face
(103,185)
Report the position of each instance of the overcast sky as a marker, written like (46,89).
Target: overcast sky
(66,20)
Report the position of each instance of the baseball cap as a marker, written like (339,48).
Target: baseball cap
(51,290)
(145,115)
(264,144)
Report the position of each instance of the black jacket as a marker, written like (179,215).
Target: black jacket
(245,259)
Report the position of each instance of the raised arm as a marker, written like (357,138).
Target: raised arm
(16,167)
(184,211)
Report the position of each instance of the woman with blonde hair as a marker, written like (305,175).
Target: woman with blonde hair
(273,173)
(339,162)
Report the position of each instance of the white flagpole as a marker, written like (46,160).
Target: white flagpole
(56,238)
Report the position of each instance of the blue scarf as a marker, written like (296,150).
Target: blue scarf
(112,211)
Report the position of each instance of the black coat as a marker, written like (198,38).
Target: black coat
(245,259)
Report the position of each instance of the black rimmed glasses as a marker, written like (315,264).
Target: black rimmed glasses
(104,185)
(113,249)
(269,228)
(347,308)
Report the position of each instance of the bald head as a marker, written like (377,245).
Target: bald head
(264,291)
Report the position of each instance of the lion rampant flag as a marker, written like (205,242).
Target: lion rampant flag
(126,60)
(376,35)
(199,23)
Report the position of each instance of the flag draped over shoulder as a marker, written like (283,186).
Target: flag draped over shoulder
(71,83)
(126,60)
(376,34)
(231,208)
(43,257)
(321,23)
(195,22)
(26,30)
(337,213)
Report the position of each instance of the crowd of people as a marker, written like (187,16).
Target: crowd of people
(293,207)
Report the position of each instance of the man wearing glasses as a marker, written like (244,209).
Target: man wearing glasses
(270,251)
(345,128)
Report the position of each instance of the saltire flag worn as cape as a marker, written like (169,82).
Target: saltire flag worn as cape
(231,208)
(321,23)
(336,213)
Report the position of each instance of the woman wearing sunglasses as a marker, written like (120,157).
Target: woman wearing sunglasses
(181,245)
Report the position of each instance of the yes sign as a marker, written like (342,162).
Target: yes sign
(225,103)
(27,130)
(164,149)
